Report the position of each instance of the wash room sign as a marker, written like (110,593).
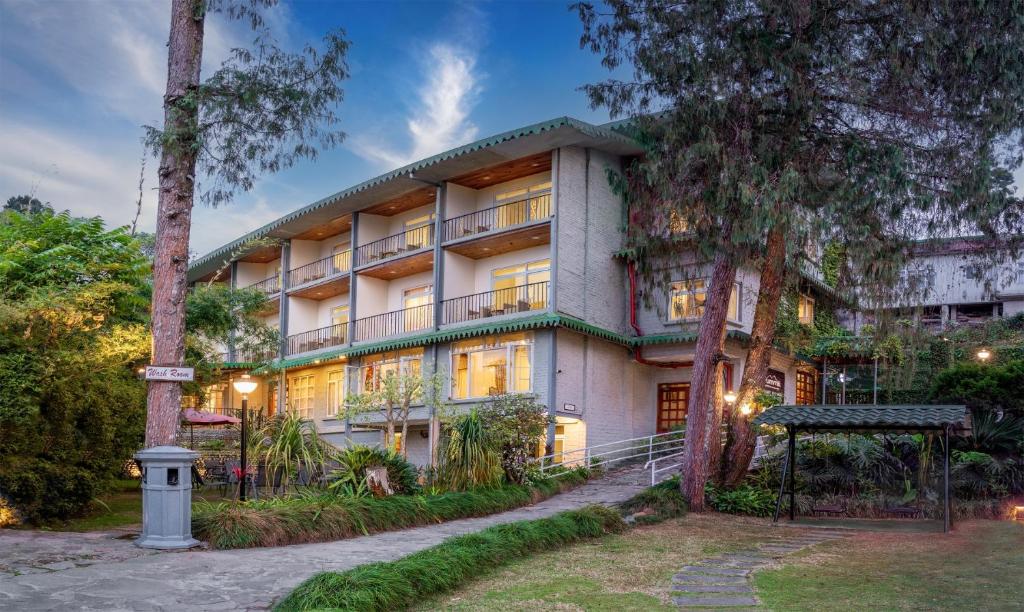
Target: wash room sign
(175,374)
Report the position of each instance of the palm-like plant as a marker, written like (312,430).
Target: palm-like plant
(471,458)
(293,442)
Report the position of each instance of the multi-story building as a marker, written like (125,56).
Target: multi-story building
(499,263)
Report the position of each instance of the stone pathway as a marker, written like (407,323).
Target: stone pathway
(93,572)
(723,582)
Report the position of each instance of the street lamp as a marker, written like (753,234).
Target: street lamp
(984,354)
(244,385)
(729,397)
(746,409)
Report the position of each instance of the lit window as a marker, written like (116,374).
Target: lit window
(302,392)
(686,300)
(805,309)
(493,369)
(341,257)
(522,283)
(339,318)
(522,205)
(335,392)
(417,231)
(417,303)
(376,368)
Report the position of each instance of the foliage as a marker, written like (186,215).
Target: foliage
(26,204)
(350,475)
(323,516)
(400,584)
(744,499)
(981,387)
(517,422)
(471,457)
(392,395)
(292,443)
(655,504)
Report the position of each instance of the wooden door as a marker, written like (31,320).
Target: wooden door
(673,399)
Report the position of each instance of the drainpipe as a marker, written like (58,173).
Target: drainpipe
(638,353)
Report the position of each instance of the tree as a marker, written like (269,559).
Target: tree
(518,422)
(393,395)
(866,124)
(26,204)
(261,111)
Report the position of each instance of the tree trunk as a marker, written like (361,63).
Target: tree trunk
(405,437)
(174,216)
(704,414)
(389,434)
(742,435)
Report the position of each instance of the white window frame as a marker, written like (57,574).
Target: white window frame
(510,372)
(336,391)
(403,362)
(803,301)
(523,193)
(692,292)
(306,411)
(525,273)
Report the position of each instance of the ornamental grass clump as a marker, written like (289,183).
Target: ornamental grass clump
(399,584)
(655,504)
(323,517)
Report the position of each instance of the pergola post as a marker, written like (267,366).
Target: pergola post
(945,479)
(792,473)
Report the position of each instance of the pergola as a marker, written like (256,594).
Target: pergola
(861,419)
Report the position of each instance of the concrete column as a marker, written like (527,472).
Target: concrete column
(231,333)
(439,217)
(553,288)
(352,315)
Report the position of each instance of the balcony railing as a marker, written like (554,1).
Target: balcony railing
(395,322)
(268,286)
(522,298)
(332,335)
(385,248)
(534,208)
(249,356)
(339,263)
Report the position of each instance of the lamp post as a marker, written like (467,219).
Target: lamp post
(984,355)
(244,385)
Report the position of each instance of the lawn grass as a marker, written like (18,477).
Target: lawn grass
(977,567)
(631,571)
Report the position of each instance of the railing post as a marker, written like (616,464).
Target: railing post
(650,449)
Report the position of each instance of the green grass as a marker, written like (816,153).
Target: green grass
(977,567)
(399,584)
(328,517)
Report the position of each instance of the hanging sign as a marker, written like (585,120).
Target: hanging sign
(170,373)
(775,382)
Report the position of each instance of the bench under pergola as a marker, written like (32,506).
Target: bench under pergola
(862,419)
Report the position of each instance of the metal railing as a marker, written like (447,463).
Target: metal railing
(332,335)
(656,464)
(248,356)
(651,447)
(339,263)
(392,246)
(533,208)
(394,322)
(268,286)
(521,298)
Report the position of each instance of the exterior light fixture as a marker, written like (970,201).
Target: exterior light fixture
(244,385)
(984,354)
(729,397)
(1018,513)
(746,409)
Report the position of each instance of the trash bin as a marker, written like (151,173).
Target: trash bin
(166,497)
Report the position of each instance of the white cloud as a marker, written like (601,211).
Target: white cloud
(440,119)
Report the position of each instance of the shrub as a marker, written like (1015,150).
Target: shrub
(517,422)
(981,386)
(350,476)
(471,458)
(323,517)
(658,503)
(744,499)
(400,584)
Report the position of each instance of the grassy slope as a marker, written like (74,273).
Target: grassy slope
(632,571)
(978,567)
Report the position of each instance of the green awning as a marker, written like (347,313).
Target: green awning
(905,417)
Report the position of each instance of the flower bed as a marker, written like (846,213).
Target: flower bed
(324,517)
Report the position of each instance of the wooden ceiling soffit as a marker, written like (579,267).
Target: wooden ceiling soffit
(493,175)
(403,203)
(338,225)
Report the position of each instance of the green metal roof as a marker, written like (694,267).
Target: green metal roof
(587,129)
(870,417)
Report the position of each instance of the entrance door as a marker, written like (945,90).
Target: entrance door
(672,402)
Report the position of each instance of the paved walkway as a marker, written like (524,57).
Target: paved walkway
(62,571)
(723,582)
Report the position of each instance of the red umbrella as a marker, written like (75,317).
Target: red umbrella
(195,417)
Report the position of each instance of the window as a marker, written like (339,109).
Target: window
(805,309)
(491,369)
(339,314)
(522,205)
(505,281)
(341,257)
(335,392)
(378,367)
(686,300)
(417,231)
(416,302)
(805,388)
(302,388)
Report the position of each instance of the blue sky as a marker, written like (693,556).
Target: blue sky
(78,79)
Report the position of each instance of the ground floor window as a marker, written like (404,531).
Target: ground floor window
(496,366)
(335,391)
(302,395)
(376,368)
(805,388)
(673,399)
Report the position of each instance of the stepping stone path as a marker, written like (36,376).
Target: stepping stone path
(723,582)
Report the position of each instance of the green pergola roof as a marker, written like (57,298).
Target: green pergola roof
(869,417)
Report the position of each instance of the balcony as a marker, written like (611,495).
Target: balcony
(394,323)
(249,356)
(323,278)
(316,339)
(507,227)
(268,286)
(399,245)
(522,298)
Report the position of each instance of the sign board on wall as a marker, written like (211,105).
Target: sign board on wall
(775,382)
(569,408)
(170,373)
